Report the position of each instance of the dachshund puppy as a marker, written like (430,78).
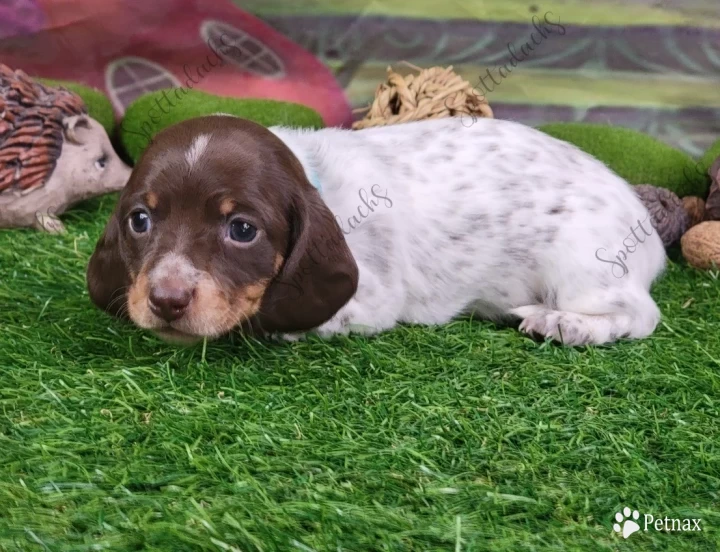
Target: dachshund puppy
(225,224)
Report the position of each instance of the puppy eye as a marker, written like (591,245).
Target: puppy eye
(101,163)
(139,222)
(241,231)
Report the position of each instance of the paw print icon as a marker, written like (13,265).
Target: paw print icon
(626,522)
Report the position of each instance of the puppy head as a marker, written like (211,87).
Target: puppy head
(217,218)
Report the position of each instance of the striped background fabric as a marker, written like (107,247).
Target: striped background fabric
(650,65)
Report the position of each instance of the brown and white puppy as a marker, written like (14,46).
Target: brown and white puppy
(220,226)
(217,213)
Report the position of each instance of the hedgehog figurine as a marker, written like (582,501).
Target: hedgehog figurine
(52,154)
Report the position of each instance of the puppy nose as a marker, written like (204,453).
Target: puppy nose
(169,299)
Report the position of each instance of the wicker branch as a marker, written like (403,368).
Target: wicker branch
(430,94)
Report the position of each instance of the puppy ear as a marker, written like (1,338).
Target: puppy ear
(319,274)
(107,275)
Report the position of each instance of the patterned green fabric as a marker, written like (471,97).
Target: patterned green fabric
(649,65)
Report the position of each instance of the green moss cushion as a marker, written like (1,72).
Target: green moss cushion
(708,158)
(637,157)
(98,104)
(155,111)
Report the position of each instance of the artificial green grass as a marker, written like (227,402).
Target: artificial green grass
(463,437)
(637,157)
(98,104)
(155,111)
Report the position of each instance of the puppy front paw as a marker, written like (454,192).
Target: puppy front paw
(291,337)
(338,325)
(345,322)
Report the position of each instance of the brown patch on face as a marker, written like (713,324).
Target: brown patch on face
(227,206)
(151,199)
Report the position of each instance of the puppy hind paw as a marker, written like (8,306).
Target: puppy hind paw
(563,327)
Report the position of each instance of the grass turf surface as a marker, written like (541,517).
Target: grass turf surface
(463,437)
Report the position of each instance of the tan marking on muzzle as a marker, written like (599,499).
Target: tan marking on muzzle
(216,313)
(279,260)
(171,265)
(138,309)
(254,292)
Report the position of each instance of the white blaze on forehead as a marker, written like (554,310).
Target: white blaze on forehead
(177,266)
(197,148)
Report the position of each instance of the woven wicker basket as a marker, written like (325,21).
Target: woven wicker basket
(430,94)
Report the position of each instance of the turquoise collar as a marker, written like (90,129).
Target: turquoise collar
(314,180)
